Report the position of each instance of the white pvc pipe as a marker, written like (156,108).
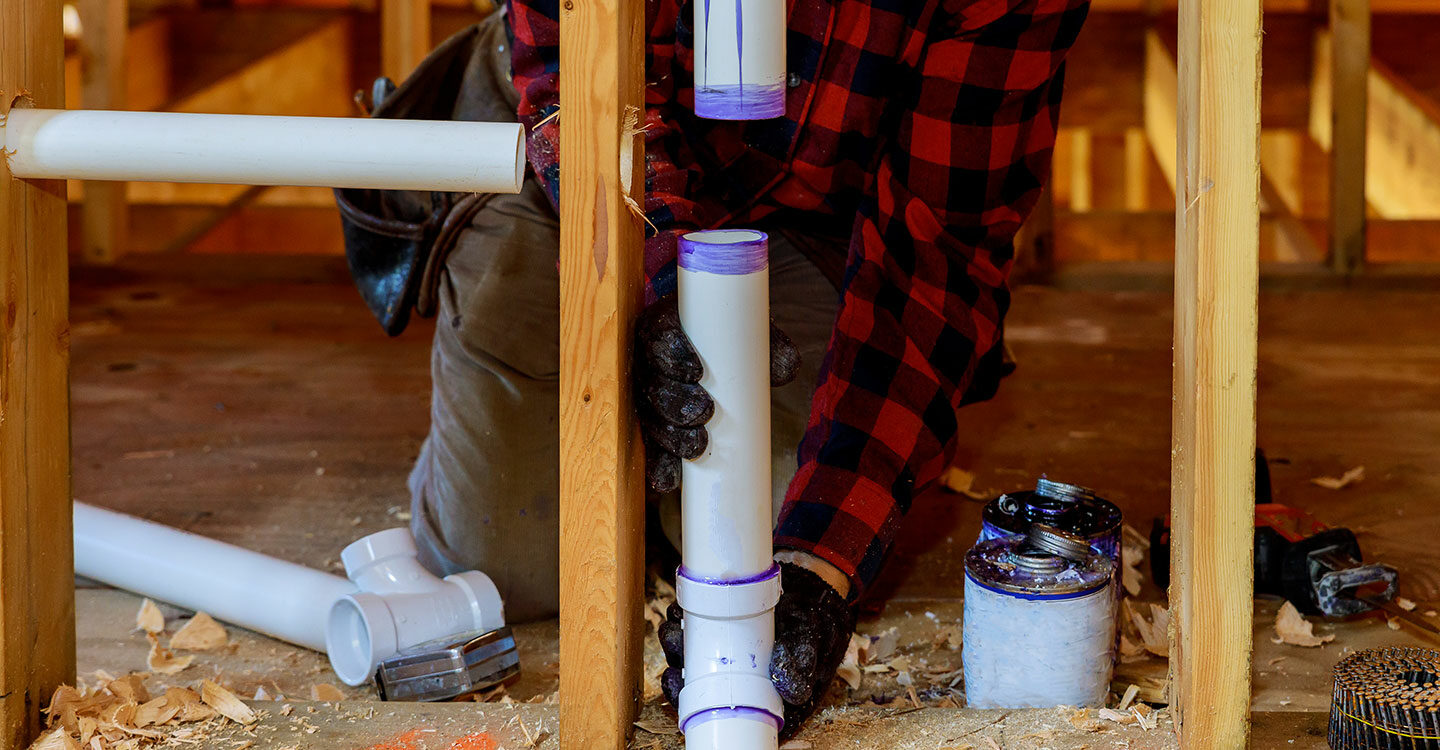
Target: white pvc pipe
(390,604)
(739,59)
(728,583)
(281,599)
(343,152)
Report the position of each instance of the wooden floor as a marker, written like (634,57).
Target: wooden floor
(256,402)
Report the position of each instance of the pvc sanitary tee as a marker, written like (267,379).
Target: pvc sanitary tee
(728,584)
(401,604)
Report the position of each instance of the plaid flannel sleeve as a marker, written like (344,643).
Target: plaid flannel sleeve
(925,288)
(669,208)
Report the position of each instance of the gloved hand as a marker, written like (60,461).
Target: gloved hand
(813,624)
(673,407)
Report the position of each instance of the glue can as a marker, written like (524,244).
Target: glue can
(1039,626)
(1068,507)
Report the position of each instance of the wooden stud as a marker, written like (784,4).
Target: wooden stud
(103,76)
(37,595)
(404,36)
(1217,218)
(1082,197)
(1349,72)
(601,468)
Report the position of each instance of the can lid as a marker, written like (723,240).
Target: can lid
(449,667)
(1010,564)
(1058,542)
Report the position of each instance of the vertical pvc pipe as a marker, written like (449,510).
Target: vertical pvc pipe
(739,59)
(728,583)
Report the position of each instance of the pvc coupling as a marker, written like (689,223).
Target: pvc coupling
(728,699)
(400,604)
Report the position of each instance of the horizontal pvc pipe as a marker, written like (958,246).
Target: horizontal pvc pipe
(739,59)
(728,584)
(281,599)
(343,152)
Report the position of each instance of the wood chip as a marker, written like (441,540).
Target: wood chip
(324,691)
(201,633)
(1350,477)
(1146,718)
(149,619)
(226,703)
(157,711)
(1404,604)
(1431,613)
(161,660)
(1295,630)
(1155,632)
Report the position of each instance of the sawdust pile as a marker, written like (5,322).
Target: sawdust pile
(121,714)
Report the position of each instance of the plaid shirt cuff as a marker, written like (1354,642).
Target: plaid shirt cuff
(842,518)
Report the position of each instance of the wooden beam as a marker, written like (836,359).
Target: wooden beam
(37,595)
(105,25)
(1082,193)
(1402,148)
(1349,73)
(404,36)
(602,501)
(1160,101)
(1217,238)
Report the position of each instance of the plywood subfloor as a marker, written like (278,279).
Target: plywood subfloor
(256,402)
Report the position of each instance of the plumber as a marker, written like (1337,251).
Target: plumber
(915,140)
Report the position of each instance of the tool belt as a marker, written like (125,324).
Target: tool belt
(396,241)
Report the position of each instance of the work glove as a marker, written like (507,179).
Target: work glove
(813,624)
(673,407)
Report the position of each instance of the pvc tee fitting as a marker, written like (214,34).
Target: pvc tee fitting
(729,634)
(401,604)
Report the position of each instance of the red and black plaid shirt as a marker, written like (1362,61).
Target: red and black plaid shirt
(929,123)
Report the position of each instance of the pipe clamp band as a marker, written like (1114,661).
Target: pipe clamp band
(728,599)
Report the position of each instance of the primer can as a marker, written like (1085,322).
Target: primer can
(1039,628)
(1070,507)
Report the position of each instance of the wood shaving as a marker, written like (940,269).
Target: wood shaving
(658,727)
(849,669)
(1295,630)
(961,482)
(161,660)
(880,647)
(1350,477)
(1155,632)
(1431,613)
(149,618)
(130,688)
(1404,604)
(949,637)
(1128,698)
(1082,720)
(1110,714)
(1391,622)
(201,633)
(56,740)
(324,691)
(1146,718)
(226,703)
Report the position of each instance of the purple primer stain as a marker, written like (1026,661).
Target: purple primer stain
(766,575)
(730,252)
(738,712)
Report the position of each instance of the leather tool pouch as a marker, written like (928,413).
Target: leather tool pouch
(396,240)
